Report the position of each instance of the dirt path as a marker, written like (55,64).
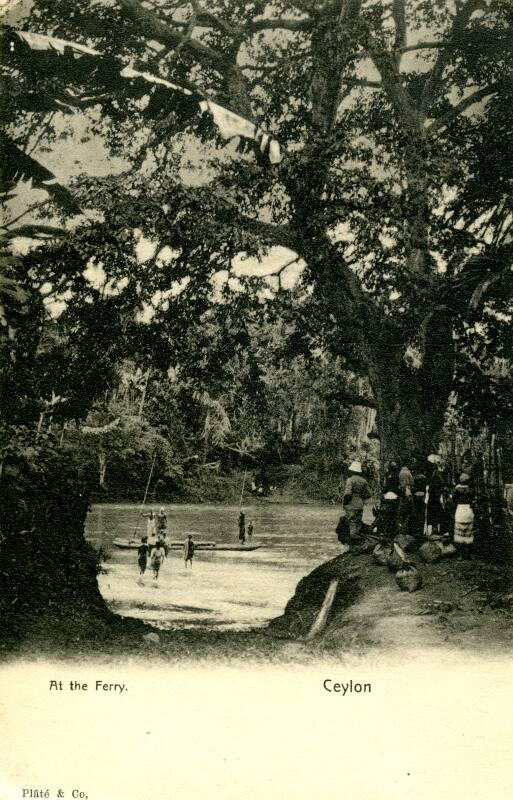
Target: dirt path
(451,611)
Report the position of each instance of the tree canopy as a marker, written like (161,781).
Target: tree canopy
(385,168)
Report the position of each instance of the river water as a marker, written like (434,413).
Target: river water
(225,589)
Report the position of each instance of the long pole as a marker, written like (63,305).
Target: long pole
(143,397)
(322,617)
(147,487)
(242,490)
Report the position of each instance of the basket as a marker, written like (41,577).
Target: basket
(381,554)
(430,552)
(408,578)
(396,559)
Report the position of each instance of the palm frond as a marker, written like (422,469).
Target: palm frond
(15,165)
(76,63)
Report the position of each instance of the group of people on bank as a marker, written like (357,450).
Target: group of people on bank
(419,501)
(155,545)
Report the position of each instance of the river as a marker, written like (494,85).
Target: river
(224,590)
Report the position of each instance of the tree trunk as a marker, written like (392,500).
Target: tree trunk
(405,432)
(49,570)
(411,401)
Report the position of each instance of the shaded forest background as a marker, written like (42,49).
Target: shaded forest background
(361,149)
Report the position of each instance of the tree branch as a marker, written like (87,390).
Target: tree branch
(281,24)
(204,15)
(33,231)
(424,46)
(458,109)
(460,21)
(399,17)
(283,235)
(152,27)
(362,82)
(306,6)
(225,63)
(24,213)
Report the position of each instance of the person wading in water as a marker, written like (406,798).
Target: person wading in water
(188,551)
(158,555)
(142,555)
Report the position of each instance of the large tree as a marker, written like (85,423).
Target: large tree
(388,171)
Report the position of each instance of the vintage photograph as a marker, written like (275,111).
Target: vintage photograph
(256,348)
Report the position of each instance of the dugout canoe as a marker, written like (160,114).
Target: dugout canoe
(133,544)
(237,547)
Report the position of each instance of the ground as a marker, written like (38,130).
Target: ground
(452,610)
(462,607)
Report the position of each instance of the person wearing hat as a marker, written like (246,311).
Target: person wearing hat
(356,492)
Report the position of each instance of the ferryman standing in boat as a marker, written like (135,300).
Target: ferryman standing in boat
(161,522)
(242,527)
(161,525)
(151,530)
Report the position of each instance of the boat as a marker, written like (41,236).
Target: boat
(133,544)
(237,547)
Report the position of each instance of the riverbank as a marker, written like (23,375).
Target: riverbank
(463,607)
(292,483)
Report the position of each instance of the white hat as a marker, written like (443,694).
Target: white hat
(355,466)
(434,458)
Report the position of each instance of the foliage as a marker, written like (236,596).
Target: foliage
(46,565)
(388,225)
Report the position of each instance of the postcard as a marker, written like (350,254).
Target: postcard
(256,428)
